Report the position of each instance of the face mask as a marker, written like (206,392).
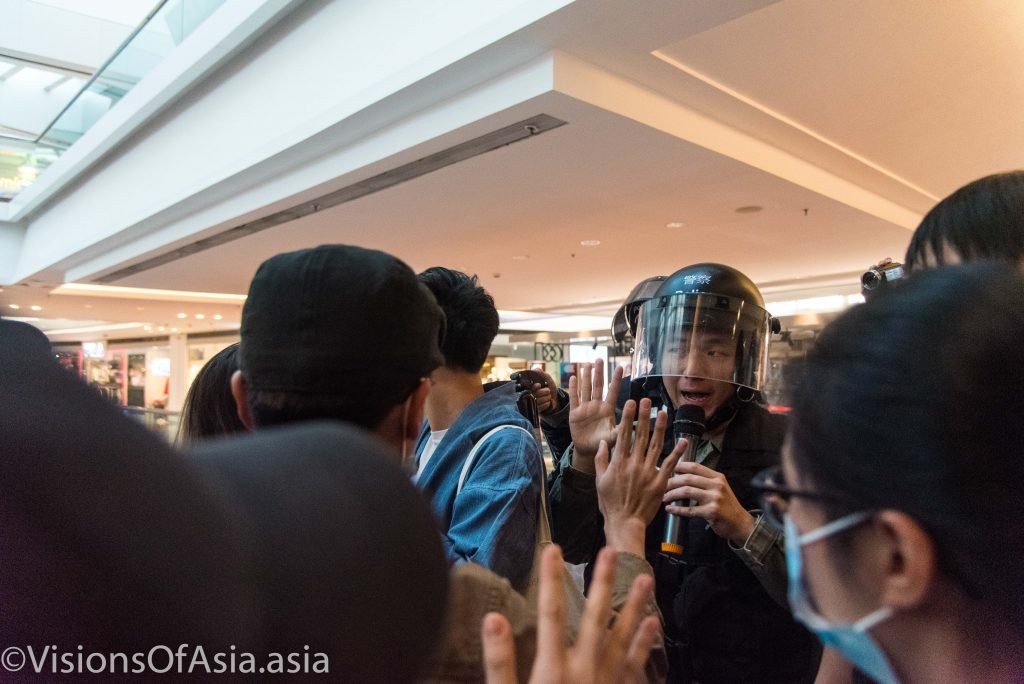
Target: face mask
(852,640)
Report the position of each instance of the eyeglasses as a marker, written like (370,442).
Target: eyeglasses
(775,495)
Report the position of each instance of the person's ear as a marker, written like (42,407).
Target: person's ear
(414,419)
(910,570)
(240,391)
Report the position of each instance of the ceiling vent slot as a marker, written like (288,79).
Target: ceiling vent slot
(508,135)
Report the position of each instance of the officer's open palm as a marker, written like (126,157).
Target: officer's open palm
(591,416)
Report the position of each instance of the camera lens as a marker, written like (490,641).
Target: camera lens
(871,280)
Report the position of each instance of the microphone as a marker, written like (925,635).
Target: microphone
(689,425)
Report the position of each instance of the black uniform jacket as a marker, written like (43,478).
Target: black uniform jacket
(721,625)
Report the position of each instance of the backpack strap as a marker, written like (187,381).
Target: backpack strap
(476,447)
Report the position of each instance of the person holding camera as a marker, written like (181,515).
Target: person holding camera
(701,341)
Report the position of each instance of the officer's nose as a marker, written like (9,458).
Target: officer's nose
(693,364)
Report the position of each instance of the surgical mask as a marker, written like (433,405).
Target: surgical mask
(853,641)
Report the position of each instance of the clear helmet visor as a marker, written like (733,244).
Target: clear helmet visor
(702,336)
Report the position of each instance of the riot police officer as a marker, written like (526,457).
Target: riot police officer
(701,340)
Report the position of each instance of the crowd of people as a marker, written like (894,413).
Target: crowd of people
(347,495)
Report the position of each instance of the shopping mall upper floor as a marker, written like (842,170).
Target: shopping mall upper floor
(563,150)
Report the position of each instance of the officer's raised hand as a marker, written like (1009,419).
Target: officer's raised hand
(591,416)
(713,500)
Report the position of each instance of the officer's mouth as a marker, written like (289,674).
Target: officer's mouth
(697,398)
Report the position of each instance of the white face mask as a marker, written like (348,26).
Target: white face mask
(852,640)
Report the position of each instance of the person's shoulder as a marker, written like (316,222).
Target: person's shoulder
(502,412)
(755,427)
(754,412)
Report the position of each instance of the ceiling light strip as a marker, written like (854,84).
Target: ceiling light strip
(94,328)
(488,142)
(93,290)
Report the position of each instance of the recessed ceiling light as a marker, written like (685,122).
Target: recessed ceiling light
(183,315)
(752,209)
(520,257)
(140,308)
(675,224)
(36,307)
(217,317)
(174,330)
(88,306)
(590,243)
(14,306)
(162,328)
(147,327)
(200,317)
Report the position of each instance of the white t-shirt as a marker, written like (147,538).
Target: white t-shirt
(428,450)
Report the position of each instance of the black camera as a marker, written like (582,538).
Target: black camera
(880,276)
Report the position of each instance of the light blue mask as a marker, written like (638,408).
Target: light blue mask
(852,640)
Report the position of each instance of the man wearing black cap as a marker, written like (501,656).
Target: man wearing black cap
(338,332)
(349,334)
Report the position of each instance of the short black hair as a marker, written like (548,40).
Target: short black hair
(363,408)
(982,220)
(912,402)
(210,409)
(472,319)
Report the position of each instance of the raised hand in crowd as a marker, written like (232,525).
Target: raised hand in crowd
(629,483)
(591,416)
(713,500)
(603,655)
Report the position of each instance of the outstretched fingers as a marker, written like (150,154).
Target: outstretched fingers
(499,650)
(657,441)
(668,466)
(640,649)
(643,428)
(621,639)
(586,382)
(598,612)
(550,661)
(598,386)
(613,386)
(625,430)
(601,459)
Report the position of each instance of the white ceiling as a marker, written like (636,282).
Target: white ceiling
(900,101)
(927,89)
(601,177)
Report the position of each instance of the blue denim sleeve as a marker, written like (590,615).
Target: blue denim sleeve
(495,517)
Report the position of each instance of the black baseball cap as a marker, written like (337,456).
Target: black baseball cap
(318,320)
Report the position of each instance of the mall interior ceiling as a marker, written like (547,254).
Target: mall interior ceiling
(562,150)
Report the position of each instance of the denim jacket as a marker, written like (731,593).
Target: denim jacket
(493,521)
